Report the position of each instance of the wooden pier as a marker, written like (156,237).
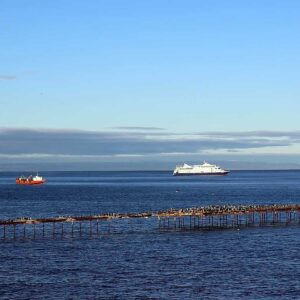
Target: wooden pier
(196,218)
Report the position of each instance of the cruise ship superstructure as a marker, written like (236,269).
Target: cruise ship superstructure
(204,169)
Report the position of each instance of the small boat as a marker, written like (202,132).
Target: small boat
(30,180)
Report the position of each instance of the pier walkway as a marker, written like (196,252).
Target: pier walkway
(196,218)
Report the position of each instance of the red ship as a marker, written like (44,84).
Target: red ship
(30,180)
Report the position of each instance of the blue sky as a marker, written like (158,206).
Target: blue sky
(124,67)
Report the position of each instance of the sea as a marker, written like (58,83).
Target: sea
(139,261)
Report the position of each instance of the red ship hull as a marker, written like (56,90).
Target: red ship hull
(27,182)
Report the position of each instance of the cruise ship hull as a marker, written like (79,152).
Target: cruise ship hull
(201,174)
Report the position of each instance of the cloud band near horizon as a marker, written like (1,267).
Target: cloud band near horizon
(14,141)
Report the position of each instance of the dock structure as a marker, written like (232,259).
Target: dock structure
(196,218)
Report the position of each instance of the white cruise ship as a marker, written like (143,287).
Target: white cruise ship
(204,169)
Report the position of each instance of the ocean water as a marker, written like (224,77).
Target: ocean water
(139,261)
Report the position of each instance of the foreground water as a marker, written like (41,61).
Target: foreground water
(260,263)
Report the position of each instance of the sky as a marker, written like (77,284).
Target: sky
(108,85)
